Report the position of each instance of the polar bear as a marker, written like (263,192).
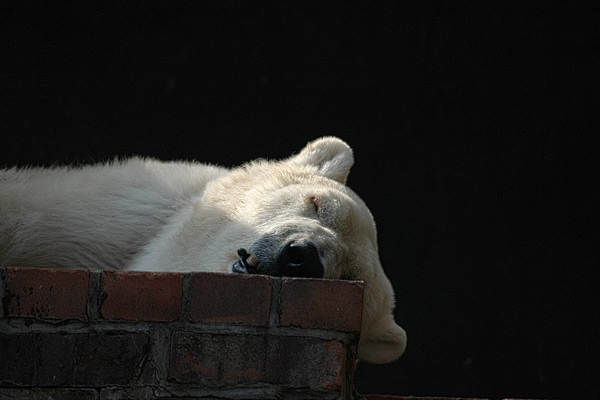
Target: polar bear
(293,217)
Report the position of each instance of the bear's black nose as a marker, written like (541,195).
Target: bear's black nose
(299,259)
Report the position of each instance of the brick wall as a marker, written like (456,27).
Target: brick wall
(93,335)
(79,334)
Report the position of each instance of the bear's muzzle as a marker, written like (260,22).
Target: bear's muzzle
(294,259)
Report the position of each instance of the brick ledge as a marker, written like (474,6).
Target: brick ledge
(117,334)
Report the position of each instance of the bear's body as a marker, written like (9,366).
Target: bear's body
(291,217)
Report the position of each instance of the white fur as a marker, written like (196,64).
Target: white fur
(144,214)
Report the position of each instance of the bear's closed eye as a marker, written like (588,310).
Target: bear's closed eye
(315,202)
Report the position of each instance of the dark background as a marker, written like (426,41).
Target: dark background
(473,136)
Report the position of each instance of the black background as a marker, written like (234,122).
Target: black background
(473,135)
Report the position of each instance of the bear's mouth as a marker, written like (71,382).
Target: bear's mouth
(247,263)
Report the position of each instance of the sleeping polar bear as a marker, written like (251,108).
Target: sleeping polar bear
(293,217)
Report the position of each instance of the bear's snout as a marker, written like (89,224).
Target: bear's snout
(300,260)
(296,259)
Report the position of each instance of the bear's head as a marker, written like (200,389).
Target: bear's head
(302,220)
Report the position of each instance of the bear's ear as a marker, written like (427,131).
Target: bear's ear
(331,156)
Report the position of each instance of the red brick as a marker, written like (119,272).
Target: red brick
(216,360)
(57,359)
(46,293)
(229,298)
(141,296)
(322,304)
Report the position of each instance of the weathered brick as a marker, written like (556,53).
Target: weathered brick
(66,356)
(217,360)
(322,304)
(141,296)
(50,393)
(71,359)
(229,298)
(45,293)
